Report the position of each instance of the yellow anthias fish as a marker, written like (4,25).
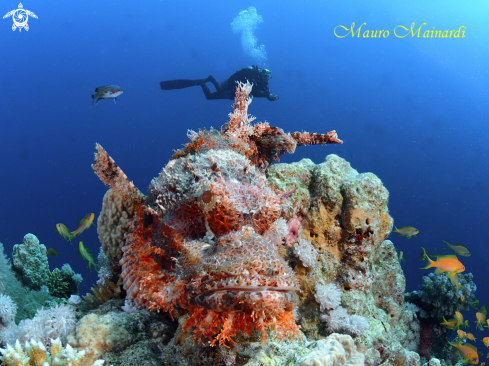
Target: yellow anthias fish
(471,337)
(106,92)
(446,263)
(468,351)
(456,282)
(83,252)
(480,320)
(460,320)
(64,232)
(486,341)
(461,334)
(450,324)
(487,326)
(84,224)
(407,231)
(401,257)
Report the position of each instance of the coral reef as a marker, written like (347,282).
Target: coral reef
(55,322)
(101,293)
(229,251)
(337,349)
(113,223)
(35,354)
(95,334)
(27,301)
(71,278)
(57,285)
(8,309)
(30,262)
(344,216)
(436,299)
(198,243)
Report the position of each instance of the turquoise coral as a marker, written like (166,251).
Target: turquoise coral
(30,262)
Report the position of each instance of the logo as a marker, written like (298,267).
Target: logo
(20,17)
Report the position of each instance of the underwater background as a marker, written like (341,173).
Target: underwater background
(414,111)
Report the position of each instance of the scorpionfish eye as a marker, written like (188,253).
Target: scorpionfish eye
(206,197)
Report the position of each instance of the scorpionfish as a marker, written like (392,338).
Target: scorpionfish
(203,241)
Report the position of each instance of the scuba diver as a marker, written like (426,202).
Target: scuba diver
(226,90)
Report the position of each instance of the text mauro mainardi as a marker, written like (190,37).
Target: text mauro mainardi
(399,31)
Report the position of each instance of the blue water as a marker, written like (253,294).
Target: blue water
(414,111)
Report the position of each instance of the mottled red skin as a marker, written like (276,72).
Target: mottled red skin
(237,281)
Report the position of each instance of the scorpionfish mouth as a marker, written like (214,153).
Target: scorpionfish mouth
(243,272)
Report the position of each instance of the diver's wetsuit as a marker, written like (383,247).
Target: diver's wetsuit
(226,90)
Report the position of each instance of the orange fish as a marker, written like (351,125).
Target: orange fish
(471,337)
(486,341)
(460,320)
(468,351)
(480,320)
(450,324)
(461,334)
(446,263)
(83,225)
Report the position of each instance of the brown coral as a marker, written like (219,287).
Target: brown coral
(113,223)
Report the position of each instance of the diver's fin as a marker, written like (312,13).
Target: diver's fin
(115,100)
(179,84)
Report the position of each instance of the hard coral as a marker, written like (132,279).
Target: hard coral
(36,354)
(198,243)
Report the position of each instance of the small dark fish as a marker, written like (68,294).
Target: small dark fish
(458,249)
(475,304)
(106,92)
(423,254)
(51,252)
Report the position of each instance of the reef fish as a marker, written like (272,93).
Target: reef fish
(450,324)
(468,351)
(64,232)
(83,252)
(461,334)
(471,337)
(445,263)
(456,282)
(460,320)
(401,257)
(84,224)
(458,249)
(480,320)
(486,341)
(407,231)
(52,252)
(106,92)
